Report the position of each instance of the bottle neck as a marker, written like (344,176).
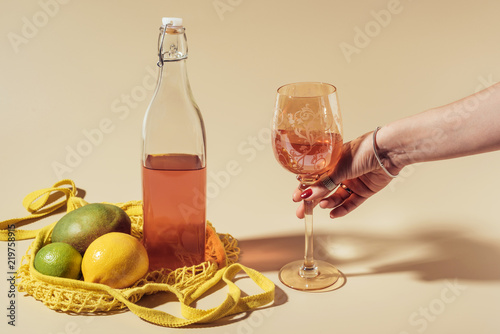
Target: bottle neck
(172,54)
(172,44)
(173,78)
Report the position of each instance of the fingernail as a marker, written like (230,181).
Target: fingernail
(306,193)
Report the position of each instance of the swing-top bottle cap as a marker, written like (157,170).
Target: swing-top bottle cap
(174,21)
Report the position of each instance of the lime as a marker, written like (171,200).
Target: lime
(59,259)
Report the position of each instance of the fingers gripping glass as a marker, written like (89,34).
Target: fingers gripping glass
(307,141)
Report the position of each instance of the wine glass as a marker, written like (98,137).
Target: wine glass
(307,141)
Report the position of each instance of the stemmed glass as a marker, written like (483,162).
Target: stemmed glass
(307,141)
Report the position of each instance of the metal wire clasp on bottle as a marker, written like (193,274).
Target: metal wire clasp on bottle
(161,37)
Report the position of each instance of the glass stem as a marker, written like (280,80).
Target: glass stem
(309,268)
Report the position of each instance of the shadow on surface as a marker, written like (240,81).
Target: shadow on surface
(431,255)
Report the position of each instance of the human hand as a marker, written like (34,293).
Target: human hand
(358,170)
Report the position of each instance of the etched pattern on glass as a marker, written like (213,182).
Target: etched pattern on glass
(300,146)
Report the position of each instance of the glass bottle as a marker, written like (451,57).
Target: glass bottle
(173,161)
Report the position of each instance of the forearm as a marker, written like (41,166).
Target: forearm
(465,127)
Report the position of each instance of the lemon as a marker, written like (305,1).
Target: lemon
(115,259)
(58,259)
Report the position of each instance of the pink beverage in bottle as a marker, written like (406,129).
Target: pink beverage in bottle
(173,161)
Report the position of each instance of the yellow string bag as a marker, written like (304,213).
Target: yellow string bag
(188,284)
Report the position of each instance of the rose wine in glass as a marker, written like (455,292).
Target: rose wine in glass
(307,141)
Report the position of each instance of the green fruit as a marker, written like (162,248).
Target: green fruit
(59,259)
(82,226)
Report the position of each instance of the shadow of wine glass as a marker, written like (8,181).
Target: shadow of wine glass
(450,254)
(437,253)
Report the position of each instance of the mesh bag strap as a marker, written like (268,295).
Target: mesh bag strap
(39,203)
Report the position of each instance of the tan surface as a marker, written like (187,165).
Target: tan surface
(420,257)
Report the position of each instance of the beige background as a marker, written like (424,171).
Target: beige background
(422,256)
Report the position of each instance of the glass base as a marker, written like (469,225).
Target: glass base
(290,275)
